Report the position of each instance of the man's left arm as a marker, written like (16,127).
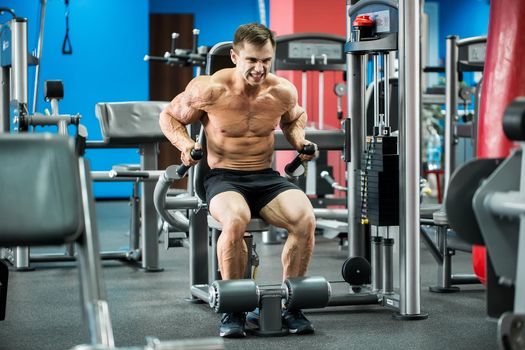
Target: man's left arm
(293,123)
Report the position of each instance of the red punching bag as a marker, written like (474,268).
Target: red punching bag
(503,80)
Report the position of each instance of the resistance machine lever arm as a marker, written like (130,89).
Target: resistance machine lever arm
(163,205)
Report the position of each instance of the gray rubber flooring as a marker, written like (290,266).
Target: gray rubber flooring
(43,310)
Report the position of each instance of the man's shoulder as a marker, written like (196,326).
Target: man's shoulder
(222,76)
(207,86)
(282,87)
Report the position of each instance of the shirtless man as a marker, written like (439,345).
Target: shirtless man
(240,108)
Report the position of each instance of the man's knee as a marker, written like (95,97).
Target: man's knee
(304,224)
(235,226)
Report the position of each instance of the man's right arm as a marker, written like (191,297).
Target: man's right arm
(184,109)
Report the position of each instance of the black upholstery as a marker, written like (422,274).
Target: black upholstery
(40,196)
(514,120)
(130,122)
(201,170)
(219,57)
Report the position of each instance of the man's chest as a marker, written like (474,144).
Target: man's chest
(237,116)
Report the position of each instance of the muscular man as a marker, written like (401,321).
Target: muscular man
(240,108)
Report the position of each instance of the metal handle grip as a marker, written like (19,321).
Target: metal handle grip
(291,168)
(196,154)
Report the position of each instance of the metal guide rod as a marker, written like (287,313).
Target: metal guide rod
(19,60)
(91,275)
(4,99)
(39,52)
(376,90)
(321,93)
(409,113)
(148,229)
(451,105)
(519,301)
(303,89)
(356,77)
(386,82)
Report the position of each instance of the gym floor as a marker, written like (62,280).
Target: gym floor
(44,312)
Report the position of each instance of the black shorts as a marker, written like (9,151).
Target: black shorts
(257,187)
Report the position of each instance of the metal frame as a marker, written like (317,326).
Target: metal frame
(409,111)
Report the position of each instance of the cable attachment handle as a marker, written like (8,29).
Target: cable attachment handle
(67,49)
(295,168)
(196,154)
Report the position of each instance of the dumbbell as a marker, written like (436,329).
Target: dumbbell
(245,295)
(295,169)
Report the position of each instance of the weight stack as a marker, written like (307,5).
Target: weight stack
(380,181)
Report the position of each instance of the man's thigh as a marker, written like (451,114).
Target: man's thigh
(229,205)
(288,207)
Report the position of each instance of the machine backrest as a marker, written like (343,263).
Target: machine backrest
(130,122)
(40,193)
(218,58)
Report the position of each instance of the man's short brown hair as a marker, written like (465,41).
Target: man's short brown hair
(253,33)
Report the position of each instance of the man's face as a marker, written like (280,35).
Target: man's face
(253,62)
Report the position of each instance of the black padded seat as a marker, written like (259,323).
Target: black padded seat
(40,201)
(130,122)
(255,224)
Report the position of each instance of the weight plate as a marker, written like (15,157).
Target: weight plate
(458,199)
(356,271)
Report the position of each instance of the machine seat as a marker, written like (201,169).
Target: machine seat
(255,225)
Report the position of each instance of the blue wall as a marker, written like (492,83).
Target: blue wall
(109,40)
(216,19)
(465,18)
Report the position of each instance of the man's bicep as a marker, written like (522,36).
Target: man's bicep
(293,116)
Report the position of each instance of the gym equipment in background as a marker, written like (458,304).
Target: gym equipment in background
(55,205)
(378,28)
(485,206)
(466,55)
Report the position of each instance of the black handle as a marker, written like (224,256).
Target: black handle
(196,154)
(291,167)
(80,140)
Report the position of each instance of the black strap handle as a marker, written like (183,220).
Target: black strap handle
(196,154)
(67,49)
(290,169)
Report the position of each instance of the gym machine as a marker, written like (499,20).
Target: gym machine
(196,57)
(466,55)
(202,268)
(384,185)
(316,52)
(14,110)
(61,187)
(356,269)
(244,294)
(14,115)
(134,125)
(485,206)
